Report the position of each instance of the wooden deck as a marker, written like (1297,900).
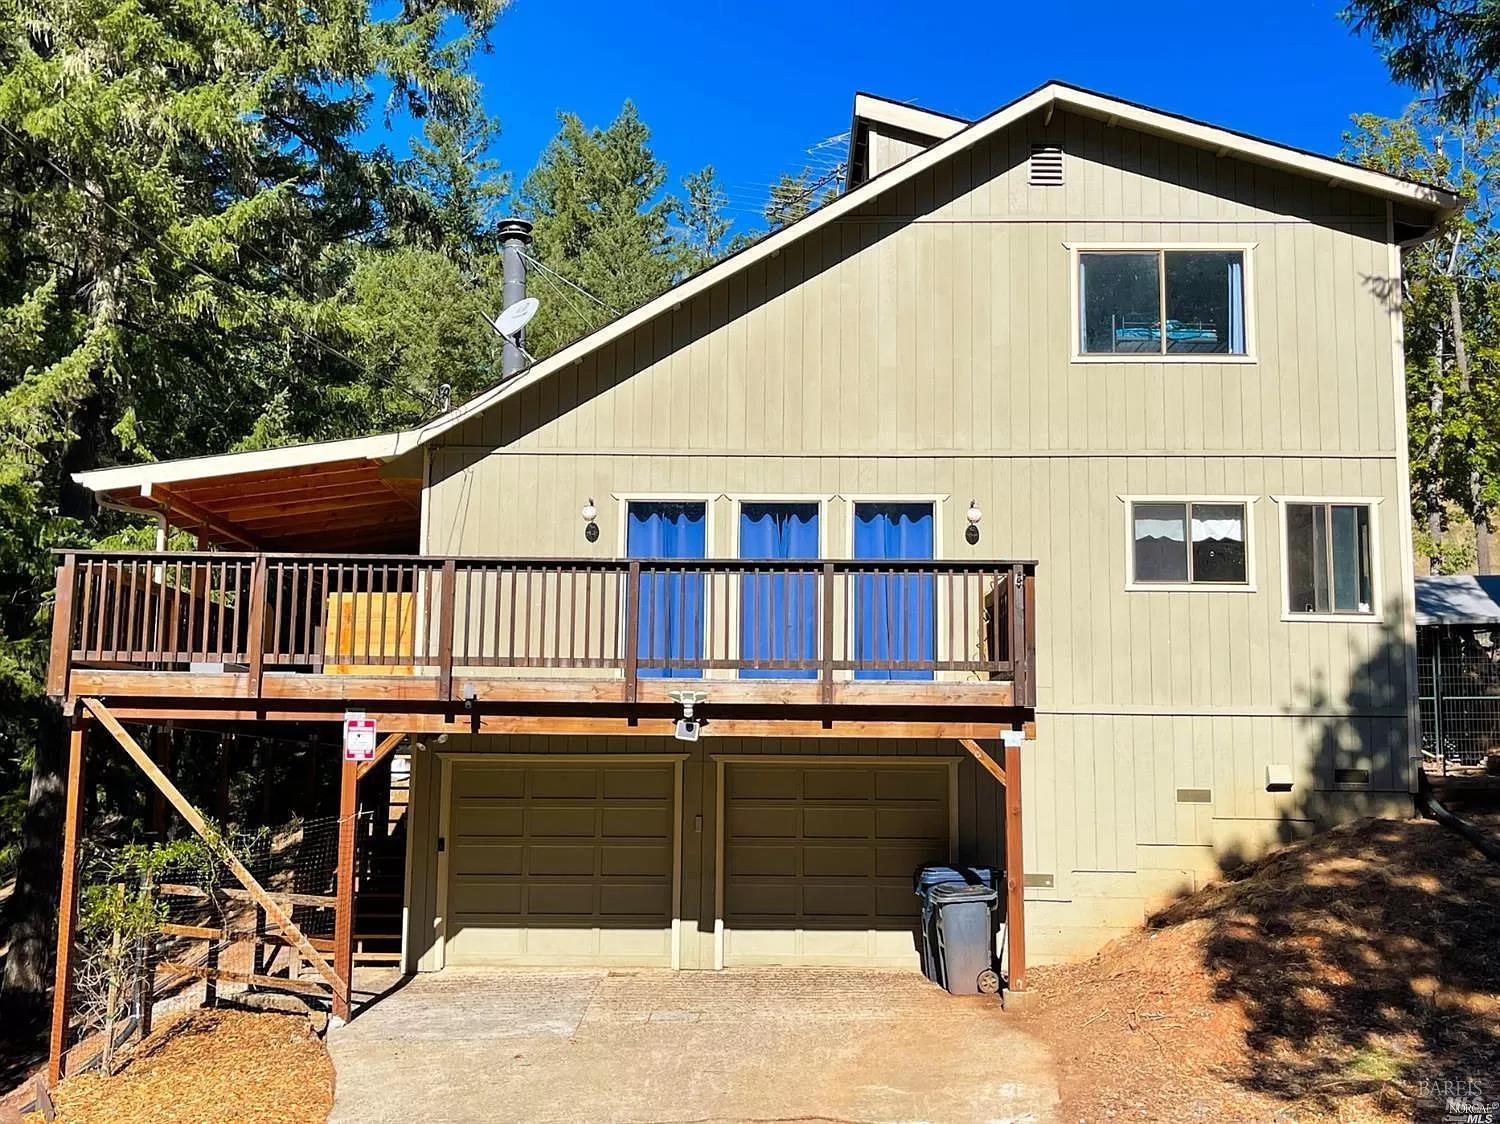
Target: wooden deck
(534,644)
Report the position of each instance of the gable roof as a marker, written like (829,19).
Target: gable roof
(908,118)
(895,119)
(1434,202)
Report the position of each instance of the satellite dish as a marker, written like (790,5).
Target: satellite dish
(510,322)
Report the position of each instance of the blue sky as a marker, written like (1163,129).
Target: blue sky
(748,88)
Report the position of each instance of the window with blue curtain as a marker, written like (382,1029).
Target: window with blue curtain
(895,613)
(670,612)
(779,611)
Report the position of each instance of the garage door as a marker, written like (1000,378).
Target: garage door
(560,863)
(818,860)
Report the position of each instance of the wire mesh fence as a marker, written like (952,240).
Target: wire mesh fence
(169,927)
(1458,691)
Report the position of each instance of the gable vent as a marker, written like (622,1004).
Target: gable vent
(1046,165)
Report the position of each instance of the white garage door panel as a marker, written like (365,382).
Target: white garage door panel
(818,859)
(560,863)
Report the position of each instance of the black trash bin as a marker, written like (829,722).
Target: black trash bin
(958,905)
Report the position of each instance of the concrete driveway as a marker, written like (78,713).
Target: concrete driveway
(746,1044)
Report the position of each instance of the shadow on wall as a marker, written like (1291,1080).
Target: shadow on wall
(1367,960)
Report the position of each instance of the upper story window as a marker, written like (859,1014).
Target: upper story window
(1329,561)
(1160,302)
(1188,543)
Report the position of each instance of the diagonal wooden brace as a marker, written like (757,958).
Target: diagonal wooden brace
(387,743)
(274,913)
(991,766)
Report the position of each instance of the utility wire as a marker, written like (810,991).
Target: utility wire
(546,269)
(156,238)
(582,311)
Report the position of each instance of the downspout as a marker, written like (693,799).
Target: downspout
(163,529)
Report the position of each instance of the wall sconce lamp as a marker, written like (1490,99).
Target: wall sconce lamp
(971,533)
(590,513)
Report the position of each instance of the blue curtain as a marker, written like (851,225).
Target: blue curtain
(894,613)
(1236,306)
(779,612)
(670,613)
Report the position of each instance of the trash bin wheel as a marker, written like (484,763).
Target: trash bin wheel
(989,982)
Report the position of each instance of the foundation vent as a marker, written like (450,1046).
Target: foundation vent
(1351,776)
(1195,796)
(1046,165)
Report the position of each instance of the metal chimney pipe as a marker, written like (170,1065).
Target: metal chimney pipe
(515,236)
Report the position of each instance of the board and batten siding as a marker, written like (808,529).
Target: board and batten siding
(889,146)
(924,347)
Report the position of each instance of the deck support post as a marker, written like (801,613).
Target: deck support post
(161,753)
(67,905)
(343,918)
(1015,869)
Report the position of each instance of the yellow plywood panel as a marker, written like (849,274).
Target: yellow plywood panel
(362,626)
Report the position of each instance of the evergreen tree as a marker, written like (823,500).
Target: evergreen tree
(453,168)
(419,319)
(175,182)
(705,226)
(601,222)
(1451,307)
(1449,47)
(793,196)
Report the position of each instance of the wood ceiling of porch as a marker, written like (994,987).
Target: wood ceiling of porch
(347,506)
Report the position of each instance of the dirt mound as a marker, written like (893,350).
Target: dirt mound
(210,1066)
(1353,976)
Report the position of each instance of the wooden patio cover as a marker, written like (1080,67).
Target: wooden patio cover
(354,504)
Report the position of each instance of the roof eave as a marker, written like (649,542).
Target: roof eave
(378,447)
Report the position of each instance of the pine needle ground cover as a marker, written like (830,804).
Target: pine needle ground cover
(211,1066)
(1351,977)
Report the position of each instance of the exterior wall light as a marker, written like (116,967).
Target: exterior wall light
(590,514)
(971,533)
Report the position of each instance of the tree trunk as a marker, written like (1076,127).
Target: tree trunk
(1478,512)
(114,991)
(1432,487)
(31,911)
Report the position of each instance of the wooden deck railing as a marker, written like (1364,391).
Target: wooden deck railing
(570,618)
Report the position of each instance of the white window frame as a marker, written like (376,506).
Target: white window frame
(936,500)
(1075,329)
(1376,615)
(736,504)
(738,500)
(707,499)
(1133,586)
(625,499)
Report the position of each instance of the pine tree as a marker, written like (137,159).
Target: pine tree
(1451,307)
(602,223)
(175,181)
(1448,47)
(454,170)
(705,226)
(794,196)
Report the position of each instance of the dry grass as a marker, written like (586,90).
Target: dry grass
(1343,978)
(211,1066)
